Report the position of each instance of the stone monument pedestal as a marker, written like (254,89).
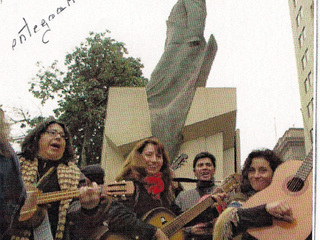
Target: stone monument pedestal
(210,126)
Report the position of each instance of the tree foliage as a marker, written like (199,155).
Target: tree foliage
(82,90)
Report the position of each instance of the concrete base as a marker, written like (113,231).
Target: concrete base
(210,126)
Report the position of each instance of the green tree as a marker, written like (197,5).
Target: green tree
(82,91)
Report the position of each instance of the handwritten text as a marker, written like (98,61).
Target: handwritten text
(28,31)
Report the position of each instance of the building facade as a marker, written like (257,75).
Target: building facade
(291,145)
(302,22)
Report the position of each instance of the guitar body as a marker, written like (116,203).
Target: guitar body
(165,219)
(31,215)
(30,205)
(159,217)
(299,201)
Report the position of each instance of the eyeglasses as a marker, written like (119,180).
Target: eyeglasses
(54,133)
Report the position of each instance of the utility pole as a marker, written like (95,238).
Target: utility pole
(275,129)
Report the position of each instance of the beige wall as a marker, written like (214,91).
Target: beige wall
(210,126)
(112,160)
(127,121)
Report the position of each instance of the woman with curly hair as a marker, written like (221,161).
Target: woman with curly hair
(12,192)
(257,174)
(48,162)
(148,165)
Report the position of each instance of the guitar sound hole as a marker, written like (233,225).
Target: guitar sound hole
(295,184)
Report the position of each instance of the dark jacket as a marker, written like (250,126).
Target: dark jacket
(12,192)
(189,198)
(142,202)
(109,217)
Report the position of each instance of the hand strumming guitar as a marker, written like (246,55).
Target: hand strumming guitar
(201,229)
(280,210)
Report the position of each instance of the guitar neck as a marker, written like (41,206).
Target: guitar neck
(305,168)
(121,189)
(172,227)
(186,217)
(57,196)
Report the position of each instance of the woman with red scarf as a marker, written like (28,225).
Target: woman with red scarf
(148,166)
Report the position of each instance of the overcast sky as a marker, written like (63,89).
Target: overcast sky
(255,52)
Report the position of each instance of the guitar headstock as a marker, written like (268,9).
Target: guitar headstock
(118,189)
(231,182)
(179,161)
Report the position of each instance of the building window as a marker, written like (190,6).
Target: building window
(294,3)
(300,41)
(310,79)
(306,85)
(303,62)
(305,59)
(311,135)
(302,37)
(299,17)
(310,108)
(308,82)
(312,9)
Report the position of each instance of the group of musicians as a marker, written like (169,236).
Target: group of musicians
(47,161)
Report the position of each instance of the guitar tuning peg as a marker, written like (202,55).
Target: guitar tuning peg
(123,197)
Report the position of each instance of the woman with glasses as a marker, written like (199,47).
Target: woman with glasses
(48,162)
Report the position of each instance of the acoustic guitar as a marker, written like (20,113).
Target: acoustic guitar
(292,182)
(165,219)
(35,197)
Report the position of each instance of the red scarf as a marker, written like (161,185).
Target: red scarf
(154,185)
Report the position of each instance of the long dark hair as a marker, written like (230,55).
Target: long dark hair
(135,166)
(30,144)
(268,155)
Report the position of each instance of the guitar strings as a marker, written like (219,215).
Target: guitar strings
(295,184)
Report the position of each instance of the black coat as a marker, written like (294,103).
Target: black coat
(12,192)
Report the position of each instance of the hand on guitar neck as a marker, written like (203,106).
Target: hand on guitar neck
(36,203)
(89,195)
(218,195)
(206,228)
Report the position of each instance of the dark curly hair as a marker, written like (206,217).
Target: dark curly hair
(30,144)
(204,155)
(268,155)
